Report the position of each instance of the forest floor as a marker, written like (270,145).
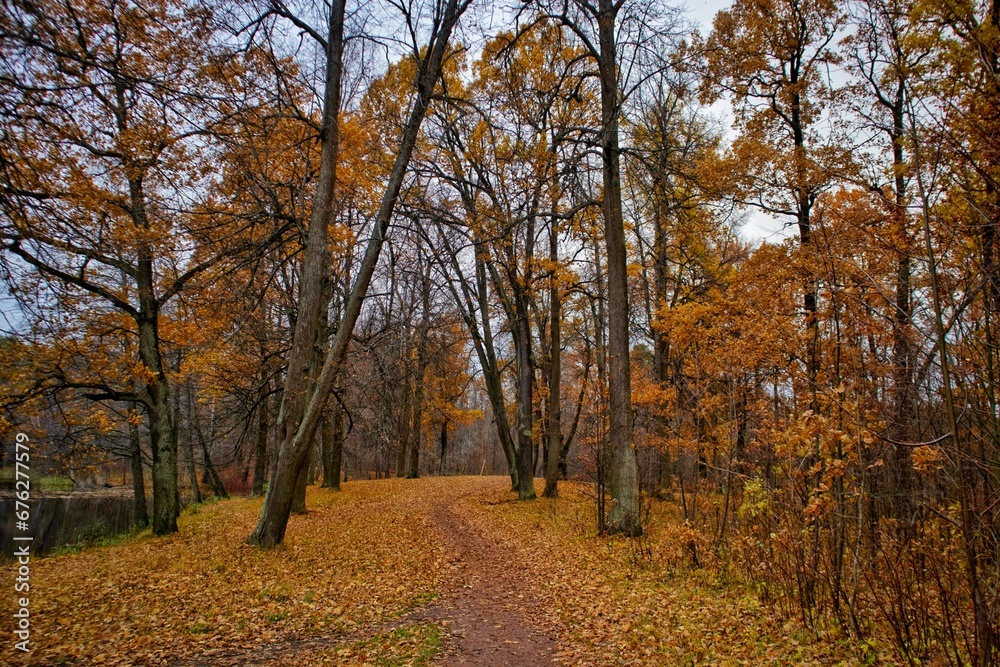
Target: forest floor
(439,571)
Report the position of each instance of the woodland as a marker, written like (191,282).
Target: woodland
(263,258)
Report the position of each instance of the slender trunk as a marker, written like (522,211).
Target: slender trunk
(416,428)
(555,372)
(211,475)
(273,520)
(444,448)
(140,515)
(525,375)
(901,372)
(175,423)
(189,447)
(311,468)
(491,373)
(191,470)
(260,458)
(333,447)
(984,636)
(661,344)
(404,423)
(568,440)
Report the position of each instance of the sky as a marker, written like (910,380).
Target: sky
(759,226)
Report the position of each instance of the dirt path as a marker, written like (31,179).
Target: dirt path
(486,606)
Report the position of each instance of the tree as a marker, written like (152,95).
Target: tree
(597,27)
(107,127)
(771,57)
(295,442)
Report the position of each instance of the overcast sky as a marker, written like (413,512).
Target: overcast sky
(759,226)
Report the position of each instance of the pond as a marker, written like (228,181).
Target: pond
(59,519)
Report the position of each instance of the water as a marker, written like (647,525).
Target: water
(59,519)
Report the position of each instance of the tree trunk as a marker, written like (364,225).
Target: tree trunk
(333,447)
(555,371)
(444,448)
(292,455)
(623,476)
(299,500)
(211,475)
(191,470)
(140,516)
(189,447)
(164,460)
(525,383)
(491,374)
(901,372)
(965,477)
(416,427)
(273,520)
(404,424)
(311,474)
(260,459)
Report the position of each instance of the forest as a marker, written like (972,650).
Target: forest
(681,314)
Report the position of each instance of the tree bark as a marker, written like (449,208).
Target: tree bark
(291,455)
(901,371)
(405,418)
(299,499)
(444,448)
(416,426)
(211,475)
(525,415)
(476,313)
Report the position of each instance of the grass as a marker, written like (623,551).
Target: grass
(48,483)
(96,538)
(409,646)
